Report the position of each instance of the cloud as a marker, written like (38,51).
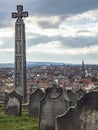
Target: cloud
(56,47)
(73,31)
(49,22)
(50,47)
(62,7)
(48,7)
(80,25)
(7,32)
(64,30)
(49,52)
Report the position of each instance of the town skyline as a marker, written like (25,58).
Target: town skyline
(56,31)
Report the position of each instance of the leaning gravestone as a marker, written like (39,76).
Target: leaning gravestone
(72,96)
(55,102)
(80,93)
(83,117)
(13,103)
(34,103)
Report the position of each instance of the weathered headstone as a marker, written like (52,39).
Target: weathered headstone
(13,103)
(80,93)
(83,117)
(54,103)
(34,103)
(72,96)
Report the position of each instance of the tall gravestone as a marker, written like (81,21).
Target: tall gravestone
(13,103)
(20,52)
(82,117)
(34,103)
(55,102)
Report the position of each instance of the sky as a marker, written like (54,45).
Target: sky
(56,30)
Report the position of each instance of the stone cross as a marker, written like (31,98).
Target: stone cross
(20,53)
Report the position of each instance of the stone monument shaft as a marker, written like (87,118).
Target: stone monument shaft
(20,52)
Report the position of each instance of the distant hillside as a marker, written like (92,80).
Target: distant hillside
(30,64)
(6,65)
(43,63)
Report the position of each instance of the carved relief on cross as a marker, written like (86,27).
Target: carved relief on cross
(18,31)
(18,79)
(18,44)
(18,63)
(19,14)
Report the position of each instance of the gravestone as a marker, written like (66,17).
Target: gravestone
(13,103)
(34,103)
(55,102)
(72,96)
(82,117)
(80,93)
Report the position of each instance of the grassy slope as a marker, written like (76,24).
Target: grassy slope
(17,123)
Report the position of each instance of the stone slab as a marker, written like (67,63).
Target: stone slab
(82,117)
(54,103)
(13,103)
(34,103)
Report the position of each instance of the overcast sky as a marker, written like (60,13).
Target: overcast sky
(56,30)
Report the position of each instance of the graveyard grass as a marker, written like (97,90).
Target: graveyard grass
(17,123)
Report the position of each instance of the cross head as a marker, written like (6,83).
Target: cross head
(19,14)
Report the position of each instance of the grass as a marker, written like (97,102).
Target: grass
(17,123)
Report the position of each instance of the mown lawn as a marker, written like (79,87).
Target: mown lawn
(17,123)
